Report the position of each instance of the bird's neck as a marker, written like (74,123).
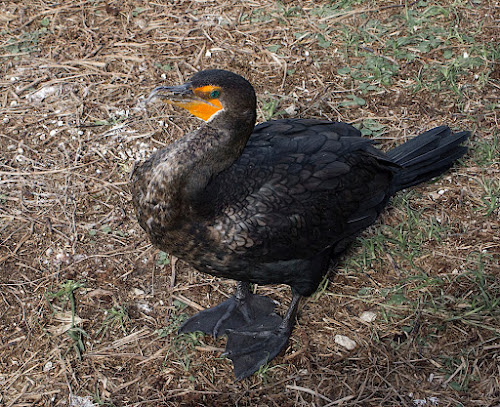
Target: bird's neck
(179,174)
(211,149)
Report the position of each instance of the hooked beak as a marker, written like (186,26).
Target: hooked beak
(173,94)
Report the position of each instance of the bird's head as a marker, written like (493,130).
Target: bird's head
(209,93)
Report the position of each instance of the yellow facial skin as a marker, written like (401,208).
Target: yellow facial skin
(205,106)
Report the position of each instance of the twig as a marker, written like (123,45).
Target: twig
(189,302)
(309,391)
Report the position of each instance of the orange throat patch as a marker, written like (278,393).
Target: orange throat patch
(201,109)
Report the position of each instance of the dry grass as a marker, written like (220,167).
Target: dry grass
(71,126)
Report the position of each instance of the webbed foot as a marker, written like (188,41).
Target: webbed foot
(244,308)
(256,345)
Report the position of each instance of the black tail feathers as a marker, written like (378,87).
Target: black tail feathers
(427,155)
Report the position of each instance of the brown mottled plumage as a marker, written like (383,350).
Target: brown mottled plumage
(268,204)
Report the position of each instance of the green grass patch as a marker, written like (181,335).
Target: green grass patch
(59,301)
(116,317)
(491,196)
(402,242)
(486,152)
(27,41)
(371,128)
(270,107)
(162,259)
(176,318)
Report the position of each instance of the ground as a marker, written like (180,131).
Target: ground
(89,309)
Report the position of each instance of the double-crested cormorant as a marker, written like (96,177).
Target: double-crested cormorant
(268,204)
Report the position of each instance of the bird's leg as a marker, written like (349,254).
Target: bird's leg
(243,308)
(255,345)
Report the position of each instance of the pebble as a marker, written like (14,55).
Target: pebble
(368,316)
(345,342)
(138,292)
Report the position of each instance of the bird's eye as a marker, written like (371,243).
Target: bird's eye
(214,94)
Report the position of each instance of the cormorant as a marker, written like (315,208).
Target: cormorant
(266,204)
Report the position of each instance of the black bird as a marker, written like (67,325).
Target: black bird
(266,204)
